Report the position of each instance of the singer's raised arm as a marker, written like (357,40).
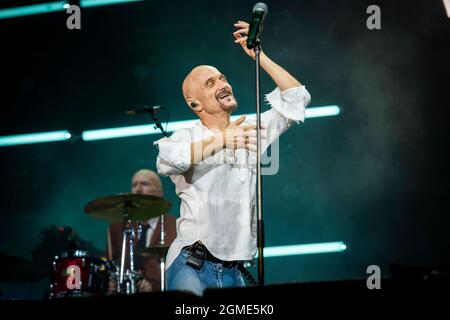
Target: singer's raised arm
(281,77)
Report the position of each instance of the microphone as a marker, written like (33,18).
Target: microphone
(256,26)
(144,109)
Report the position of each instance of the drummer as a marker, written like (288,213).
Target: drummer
(146,182)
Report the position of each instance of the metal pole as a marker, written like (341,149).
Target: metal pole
(260,224)
(162,261)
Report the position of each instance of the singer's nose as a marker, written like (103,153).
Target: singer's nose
(224,85)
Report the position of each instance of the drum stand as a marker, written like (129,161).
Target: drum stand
(128,285)
(162,258)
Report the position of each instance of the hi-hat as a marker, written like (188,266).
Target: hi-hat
(154,251)
(140,207)
(16,269)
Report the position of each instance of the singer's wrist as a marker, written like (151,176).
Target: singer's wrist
(263,59)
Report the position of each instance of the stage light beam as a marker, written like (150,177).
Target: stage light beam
(30,138)
(32,9)
(56,6)
(122,132)
(302,249)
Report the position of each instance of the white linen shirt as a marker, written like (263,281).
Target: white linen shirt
(217,195)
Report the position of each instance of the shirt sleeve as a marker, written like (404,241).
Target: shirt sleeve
(290,103)
(288,107)
(174,157)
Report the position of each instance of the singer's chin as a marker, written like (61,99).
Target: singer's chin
(230,105)
(234,107)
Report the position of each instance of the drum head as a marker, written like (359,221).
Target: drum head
(75,274)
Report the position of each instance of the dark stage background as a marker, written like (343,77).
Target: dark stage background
(374,177)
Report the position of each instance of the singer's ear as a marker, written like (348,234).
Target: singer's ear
(194,104)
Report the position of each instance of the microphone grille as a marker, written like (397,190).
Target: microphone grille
(261,7)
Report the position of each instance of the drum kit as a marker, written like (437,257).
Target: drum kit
(128,208)
(79,273)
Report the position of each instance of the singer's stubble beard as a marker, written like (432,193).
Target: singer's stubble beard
(229,106)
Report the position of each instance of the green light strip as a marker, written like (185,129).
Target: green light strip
(101,134)
(32,9)
(29,138)
(97,3)
(121,132)
(54,7)
(326,111)
(301,249)
(112,133)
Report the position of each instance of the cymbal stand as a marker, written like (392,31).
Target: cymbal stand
(162,259)
(127,286)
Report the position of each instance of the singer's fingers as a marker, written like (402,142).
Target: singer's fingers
(251,140)
(250,133)
(248,127)
(251,147)
(241,31)
(251,127)
(238,36)
(238,121)
(241,40)
(242,24)
(239,143)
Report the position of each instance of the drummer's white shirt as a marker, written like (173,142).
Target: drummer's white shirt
(151,230)
(218,200)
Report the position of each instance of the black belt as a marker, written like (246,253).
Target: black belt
(208,256)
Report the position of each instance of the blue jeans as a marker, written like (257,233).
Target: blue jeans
(180,276)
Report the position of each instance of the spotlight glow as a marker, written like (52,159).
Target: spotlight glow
(301,249)
(54,7)
(32,9)
(122,132)
(30,138)
(97,3)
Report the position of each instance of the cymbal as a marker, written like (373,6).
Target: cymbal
(154,251)
(141,207)
(16,269)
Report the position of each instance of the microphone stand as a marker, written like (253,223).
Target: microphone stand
(158,123)
(162,260)
(260,222)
